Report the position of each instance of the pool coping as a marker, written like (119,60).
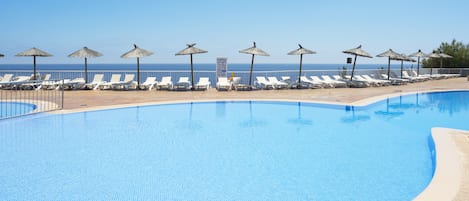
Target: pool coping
(451,170)
(446,182)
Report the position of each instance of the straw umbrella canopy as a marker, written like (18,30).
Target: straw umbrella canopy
(300,51)
(137,53)
(443,56)
(433,55)
(358,51)
(402,58)
(391,55)
(190,50)
(253,51)
(33,52)
(419,55)
(85,53)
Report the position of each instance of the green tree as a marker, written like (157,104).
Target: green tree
(458,50)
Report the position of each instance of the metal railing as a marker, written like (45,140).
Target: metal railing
(24,98)
(244,75)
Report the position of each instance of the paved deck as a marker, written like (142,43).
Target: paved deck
(85,99)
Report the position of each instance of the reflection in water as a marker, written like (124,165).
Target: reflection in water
(251,122)
(354,117)
(444,101)
(300,120)
(393,110)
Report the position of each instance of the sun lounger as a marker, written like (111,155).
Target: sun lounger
(203,84)
(98,79)
(166,83)
(394,81)
(183,84)
(36,84)
(15,82)
(128,83)
(223,84)
(115,78)
(74,84)
(263,83)
(277,83)
(351,83)
(149,83)
(311,84)
(336,83)
(7,78)
(378,82)
(324,84)
(369,82)
(406,75)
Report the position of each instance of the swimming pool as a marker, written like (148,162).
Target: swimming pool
(12,109)
(229,151)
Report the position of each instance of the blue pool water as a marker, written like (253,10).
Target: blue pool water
(12,109)
(229,151)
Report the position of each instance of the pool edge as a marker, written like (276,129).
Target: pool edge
(451,147)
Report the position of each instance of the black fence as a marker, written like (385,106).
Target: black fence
(18,98)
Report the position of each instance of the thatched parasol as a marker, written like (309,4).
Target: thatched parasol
(253,51)
(391,55)
(190,50)
(357,52)
(85,53)
(33,52)
(419,55)
(300,51)
(137,53)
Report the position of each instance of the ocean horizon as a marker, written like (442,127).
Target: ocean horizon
(200,66)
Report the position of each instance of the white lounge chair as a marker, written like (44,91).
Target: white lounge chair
(166,83)
(311,84)
(351,83)
(324,83)
(149,83)
(36,84)
(203,84)
(378,82)
(369,82)
(336,83)
(115,78)
(15,82)
(277,83)
(7,78)
(183,84)
(263,83)
(98,79)
(223,84)
(76,83)
(406,75)
(394,81)
(128,83)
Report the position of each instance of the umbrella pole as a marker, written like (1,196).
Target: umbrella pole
(299,75)
(192,74)
(418,65)
(34,71)
(431,67)
(353,67)
(138,72)
(402,63)
(86,70)
(389,67)
(250,73)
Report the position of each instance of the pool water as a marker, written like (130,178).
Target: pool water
(12,109)
(229,151)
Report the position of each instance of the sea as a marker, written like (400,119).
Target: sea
(200,67)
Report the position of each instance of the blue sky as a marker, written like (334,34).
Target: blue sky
(225,27)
